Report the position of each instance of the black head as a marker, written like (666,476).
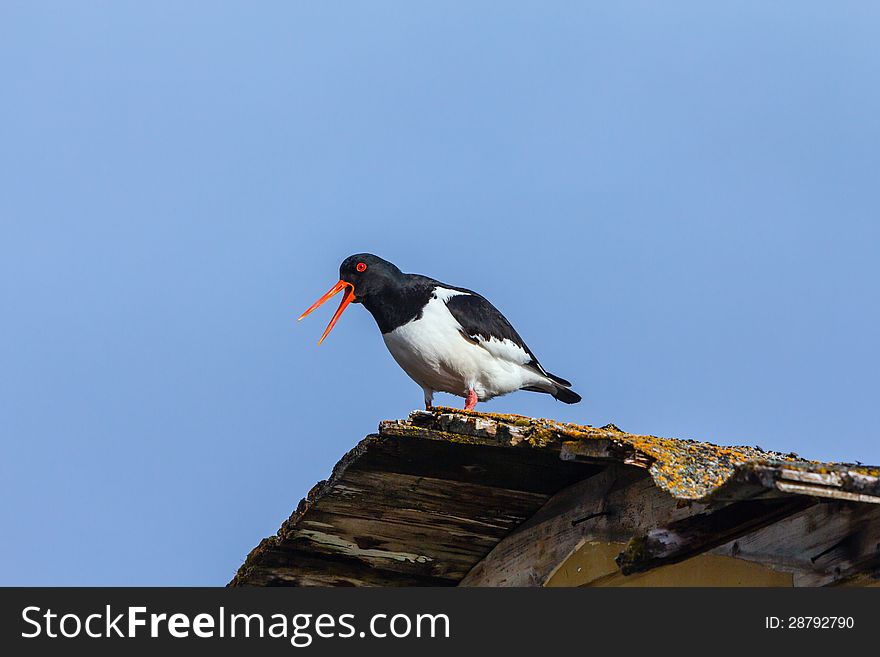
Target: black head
(363,277)
(368,274)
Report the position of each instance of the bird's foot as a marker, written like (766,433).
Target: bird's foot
(428,406)
(471,400)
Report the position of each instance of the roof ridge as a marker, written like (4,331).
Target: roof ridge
(687,469)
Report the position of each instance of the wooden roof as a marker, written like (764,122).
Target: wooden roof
(452,497)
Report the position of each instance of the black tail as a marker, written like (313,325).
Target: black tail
(559,388)
(559,380)
(566,395)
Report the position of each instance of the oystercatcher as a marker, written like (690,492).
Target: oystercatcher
(446,338)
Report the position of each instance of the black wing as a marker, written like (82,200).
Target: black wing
(480,319)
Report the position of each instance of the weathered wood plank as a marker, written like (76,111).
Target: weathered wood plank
(703,531)
(504,500)
(593,565)
(829,543)
(603,450)
(825,491)
(611,506)
(292,567)
(378,520)
(438,502)
(420,507)
(430,455)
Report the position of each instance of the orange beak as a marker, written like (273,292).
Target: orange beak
(347,298)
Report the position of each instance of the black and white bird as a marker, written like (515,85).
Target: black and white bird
(446,338)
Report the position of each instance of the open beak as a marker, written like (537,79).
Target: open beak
(347,298)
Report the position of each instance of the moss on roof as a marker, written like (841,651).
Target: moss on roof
(687,469)
(438,466)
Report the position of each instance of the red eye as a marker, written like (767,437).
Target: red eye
(361,266)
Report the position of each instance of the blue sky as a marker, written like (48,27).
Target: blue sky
(675,203)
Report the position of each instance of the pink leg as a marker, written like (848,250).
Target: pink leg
(471,400)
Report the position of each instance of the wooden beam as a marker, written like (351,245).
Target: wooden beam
(700,532)
(593,565)
(610,507)
(827,544)
(416,509)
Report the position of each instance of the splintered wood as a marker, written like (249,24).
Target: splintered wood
(477,499)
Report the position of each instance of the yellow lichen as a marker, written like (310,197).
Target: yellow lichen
(686,468)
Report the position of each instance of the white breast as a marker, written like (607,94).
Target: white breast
(435,354)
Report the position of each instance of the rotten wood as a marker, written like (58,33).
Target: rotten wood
(609,507)
(828,544)
(486,500)
(408,510)
(704,531)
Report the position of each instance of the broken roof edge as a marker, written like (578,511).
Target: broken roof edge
(314,495)
(688,470)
